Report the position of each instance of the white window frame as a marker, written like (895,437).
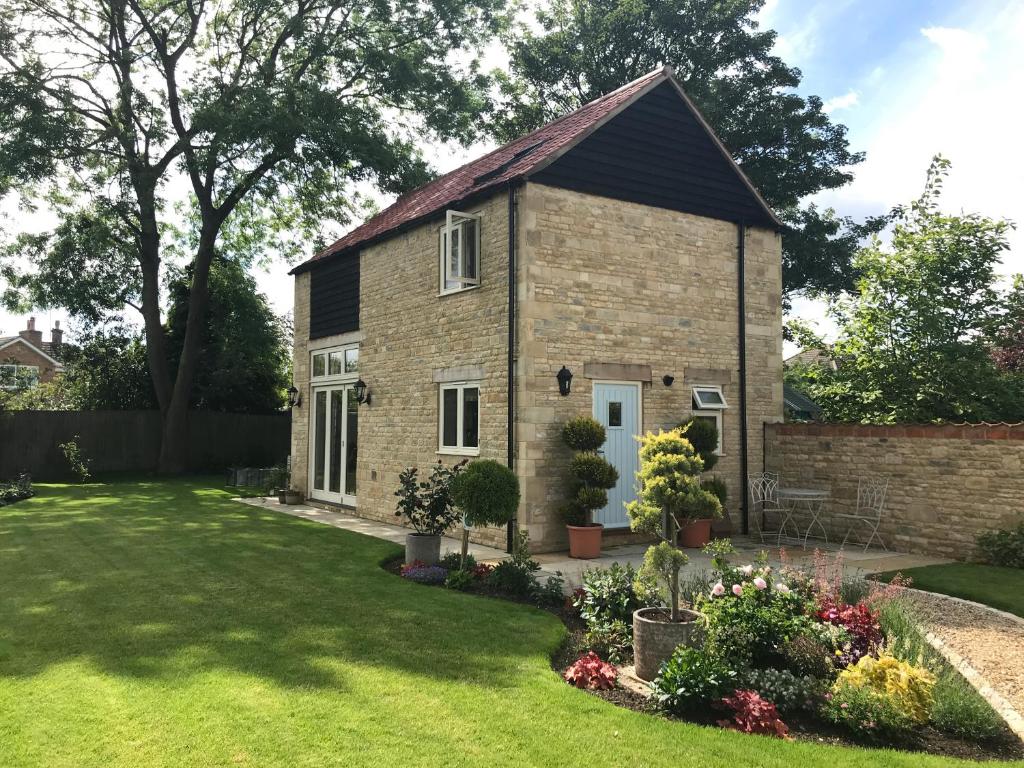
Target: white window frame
(327,377)
(460,387)
(710,410)
(17,369)
(456,220)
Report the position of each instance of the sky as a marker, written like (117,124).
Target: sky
(909,78)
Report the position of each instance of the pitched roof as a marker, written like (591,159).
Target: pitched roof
(513,161)
(45,349)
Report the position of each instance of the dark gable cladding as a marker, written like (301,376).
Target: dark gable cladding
(334,296)
(656,152)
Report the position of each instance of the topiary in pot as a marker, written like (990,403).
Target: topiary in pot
(592,476)
(488,494)
(703,436)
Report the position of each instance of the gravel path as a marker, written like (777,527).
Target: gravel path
(985,644)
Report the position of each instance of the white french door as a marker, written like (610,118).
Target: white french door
(334,443)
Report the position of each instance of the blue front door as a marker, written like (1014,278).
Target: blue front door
(617,407)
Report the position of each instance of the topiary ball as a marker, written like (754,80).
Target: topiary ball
(487,492)
(583,433)
(592,498)
(703,436)
(593,470)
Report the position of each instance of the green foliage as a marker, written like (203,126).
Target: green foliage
(577,50)
(487,492)
(691,680)
(716,487)
(867,714)
(517,577)
(452,561)
(809,655)
(703,436)
(428,505)
(593,470)
(788,691)
(908,686)
(914,339)
(1005,548)
(583,433)
(462,581)
(612,641)
(612,594)
(17,490)
(78,465)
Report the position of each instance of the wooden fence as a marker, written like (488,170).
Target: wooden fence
(119,441)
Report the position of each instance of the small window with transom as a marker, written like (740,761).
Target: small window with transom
(459,248)
(708,405)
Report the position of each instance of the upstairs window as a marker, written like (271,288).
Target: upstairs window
(459,248)
(708,405)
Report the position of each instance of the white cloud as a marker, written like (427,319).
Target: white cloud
(847,100)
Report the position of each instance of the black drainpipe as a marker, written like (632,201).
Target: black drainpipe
(510,436)
(741,231)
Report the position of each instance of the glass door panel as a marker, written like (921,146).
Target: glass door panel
(337,416)
(319,439)
(334,444)
(351,441)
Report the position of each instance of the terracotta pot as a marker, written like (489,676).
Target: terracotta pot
(696,533)
(585,541)
(423,547)
(655,638)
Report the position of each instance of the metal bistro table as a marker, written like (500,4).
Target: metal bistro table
(810,499)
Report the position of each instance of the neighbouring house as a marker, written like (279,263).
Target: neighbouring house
(619,244)
(798,406)
(811,356)
(27,360)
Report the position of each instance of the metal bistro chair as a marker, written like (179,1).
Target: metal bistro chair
(871,492)
(764,488)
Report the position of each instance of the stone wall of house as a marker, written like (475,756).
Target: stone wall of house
(947,484)
(603,281)
(410,338)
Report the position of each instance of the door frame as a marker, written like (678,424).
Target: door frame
(341,497)
(639,415)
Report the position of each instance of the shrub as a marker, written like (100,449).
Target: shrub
(487,493)
(583,433)
(78,465)
(460,580)
(1004,548)
(691,679)
(20,488)
(808,655)
(516,576)
(860,623)
(957,708)
(593,470)
(590,672)
(612,640)
(703,436)
(717,487)
(453,561)
(789,692)
(907,686)
(428,505)
(422,573)
(612,594)
(752,714)
(867,714)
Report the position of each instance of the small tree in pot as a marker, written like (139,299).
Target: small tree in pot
(488,494)
(670,494)
(592,477)
(702,434)
(429,508)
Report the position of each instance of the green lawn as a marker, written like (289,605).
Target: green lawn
(1002,588)
(161,624)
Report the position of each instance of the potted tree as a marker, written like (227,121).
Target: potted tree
(703,436)
(670,493)
(592,476)
(428,507)
(488,494)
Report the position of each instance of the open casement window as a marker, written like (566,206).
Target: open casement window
(459,422)
(708,405)
(460,251)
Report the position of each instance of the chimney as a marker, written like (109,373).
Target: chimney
(56,338)
(31,335)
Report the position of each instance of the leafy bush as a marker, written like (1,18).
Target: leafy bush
(908,687)
(428,505)
(583,433)
(517,576)
(789,692)
(487,492)
(590,672)
(593,470)
(422,573)
(20,488)
(78,465)
(612,640)
(866,713)
(860,623)
(703,436)
(453,561)
(612,594)
(809,655)
(717,487)
(460,580)
(691,679)
(752,714)
(1004,547)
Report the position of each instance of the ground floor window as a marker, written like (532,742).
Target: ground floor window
(459,422)
(708,405)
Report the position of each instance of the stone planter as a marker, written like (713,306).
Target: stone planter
(292,497)
(280,496)
(585,541)
(423,547)
(655,638)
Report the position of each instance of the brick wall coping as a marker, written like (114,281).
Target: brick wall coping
(983,431)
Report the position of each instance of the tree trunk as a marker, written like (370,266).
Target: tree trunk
(674,589)
(465,548)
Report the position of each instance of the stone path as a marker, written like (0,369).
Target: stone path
(986,645)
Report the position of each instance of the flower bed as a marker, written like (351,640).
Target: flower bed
(16,490)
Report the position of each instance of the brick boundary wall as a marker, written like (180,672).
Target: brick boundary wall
(947,483)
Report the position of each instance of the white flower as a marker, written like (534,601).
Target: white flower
(782,588)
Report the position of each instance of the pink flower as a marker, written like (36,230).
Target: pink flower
(760,583)
(718,590)
(782,588)
(746,570)
(737,589)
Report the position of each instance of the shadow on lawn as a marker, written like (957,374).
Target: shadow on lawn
(166,580)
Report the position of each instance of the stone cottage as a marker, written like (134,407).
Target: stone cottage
(619,244)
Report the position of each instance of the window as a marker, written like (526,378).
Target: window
(15,377)
(459,248)
(708,405)
(335,362)
(459,422)
(614,414)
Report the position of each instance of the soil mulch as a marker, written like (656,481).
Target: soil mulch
(925,739)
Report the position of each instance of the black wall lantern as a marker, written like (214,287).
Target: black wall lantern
(667,380)
(564,381)
(362,393)
(294,399)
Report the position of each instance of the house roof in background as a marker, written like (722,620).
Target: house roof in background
(797,401)
(513,161)
(46,350)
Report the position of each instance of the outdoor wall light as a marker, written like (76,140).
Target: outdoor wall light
(667,380)
(362,393)
(564,381)
(294,398)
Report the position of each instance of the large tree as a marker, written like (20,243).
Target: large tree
(262,113)
(784,142)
